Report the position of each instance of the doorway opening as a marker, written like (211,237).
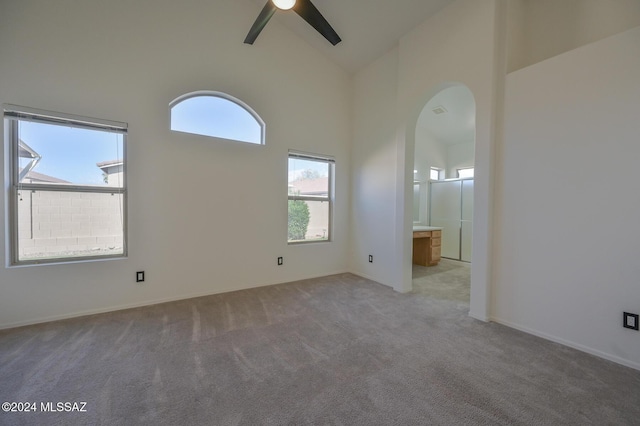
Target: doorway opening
(444,160)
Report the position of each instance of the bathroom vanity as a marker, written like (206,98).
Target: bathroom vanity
(426,245)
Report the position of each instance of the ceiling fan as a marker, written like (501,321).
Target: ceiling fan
(304,8)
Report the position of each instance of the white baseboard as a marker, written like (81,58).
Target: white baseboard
(363,275)
(150,302)
(582,348)
(595,352)
(480,317)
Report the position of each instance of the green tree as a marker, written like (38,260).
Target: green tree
(298,219)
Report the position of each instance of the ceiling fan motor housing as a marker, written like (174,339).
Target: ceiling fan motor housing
(304,8)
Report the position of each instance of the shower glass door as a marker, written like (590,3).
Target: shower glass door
(451,208)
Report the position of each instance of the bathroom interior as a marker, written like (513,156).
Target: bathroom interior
(443,195)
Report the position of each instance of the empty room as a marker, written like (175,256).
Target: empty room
(216,212)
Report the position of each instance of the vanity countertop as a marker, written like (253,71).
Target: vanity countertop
(426,228)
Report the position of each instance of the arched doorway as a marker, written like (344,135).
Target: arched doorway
(443,186)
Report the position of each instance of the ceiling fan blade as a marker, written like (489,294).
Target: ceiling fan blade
(309,13)
(267,12)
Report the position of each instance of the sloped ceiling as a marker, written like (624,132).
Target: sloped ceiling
(368,28)
(457,124)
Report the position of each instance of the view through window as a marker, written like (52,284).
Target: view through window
(310,192)
(68,191)
(465,173)
(436,173)
(218,115)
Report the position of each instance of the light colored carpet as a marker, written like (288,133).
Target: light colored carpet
(339,350)
(448,280)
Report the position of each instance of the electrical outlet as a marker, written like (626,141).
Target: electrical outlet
(140,276)
(280,261)
(370,258)
(630,321)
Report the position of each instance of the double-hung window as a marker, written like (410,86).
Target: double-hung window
(67,189)
(310,189)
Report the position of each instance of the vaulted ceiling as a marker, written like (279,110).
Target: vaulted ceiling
(368,28)
(450,116)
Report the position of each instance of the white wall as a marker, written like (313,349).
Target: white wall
(115,60)
(429,152)
(459,156)
(545,28)
(373,157)
(455,46)
(205,215)
(567,200)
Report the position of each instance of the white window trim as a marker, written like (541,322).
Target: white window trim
(330,198)
(227,97)
(440,173)
(464,168)
(12,115)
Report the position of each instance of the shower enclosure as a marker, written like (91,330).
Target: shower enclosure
(451,208)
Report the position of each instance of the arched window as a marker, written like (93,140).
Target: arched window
(218,115)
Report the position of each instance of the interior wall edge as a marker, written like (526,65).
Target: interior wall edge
(568,343)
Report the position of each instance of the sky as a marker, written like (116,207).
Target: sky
(70,153)
(297,167)
(215,116)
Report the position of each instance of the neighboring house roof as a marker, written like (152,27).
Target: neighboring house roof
(111,163)
(25,151)
(319,186)
(40,177)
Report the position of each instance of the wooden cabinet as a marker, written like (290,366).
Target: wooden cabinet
(426,247)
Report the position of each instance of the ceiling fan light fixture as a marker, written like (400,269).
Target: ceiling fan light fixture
(284,4)
(304,8)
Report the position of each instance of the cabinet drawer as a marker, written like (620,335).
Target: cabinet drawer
(436,234)
(435,254)
(422,234)
(436,242)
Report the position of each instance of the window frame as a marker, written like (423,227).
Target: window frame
(439,171)
(224,96)
(462,169)
(330,161)
(12,115)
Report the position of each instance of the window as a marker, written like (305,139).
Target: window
(218,115)
(465,172)
(436,173)
(67,189)
(310,188)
